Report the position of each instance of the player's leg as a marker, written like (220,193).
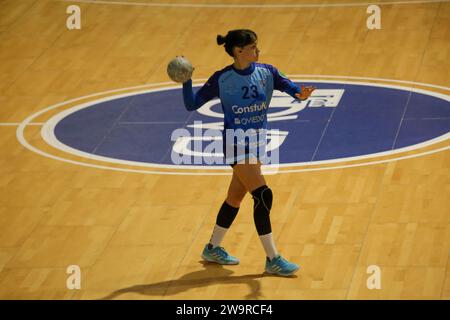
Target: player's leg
(251,177)
(228,211)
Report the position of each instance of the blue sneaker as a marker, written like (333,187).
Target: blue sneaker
(281,266)
(218,255)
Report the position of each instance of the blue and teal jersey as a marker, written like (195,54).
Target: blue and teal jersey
(244,94)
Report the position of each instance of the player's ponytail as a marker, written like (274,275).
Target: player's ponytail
(236,38)
(221,39)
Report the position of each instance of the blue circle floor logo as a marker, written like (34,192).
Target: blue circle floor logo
(341,121)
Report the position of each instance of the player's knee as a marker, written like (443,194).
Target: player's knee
(263,198)
(235,199)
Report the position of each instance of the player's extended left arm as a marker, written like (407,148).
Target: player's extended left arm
(302,93)
(292,89)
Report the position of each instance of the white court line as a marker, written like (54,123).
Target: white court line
(274,6)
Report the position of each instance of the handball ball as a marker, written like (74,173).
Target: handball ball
(180,69)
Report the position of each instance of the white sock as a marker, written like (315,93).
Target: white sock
(269,245)
(217,235)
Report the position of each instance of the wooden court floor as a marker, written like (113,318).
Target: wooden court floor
(139,236)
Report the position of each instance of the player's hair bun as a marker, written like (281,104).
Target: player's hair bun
(221,39)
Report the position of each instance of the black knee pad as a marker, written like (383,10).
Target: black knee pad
(263,198)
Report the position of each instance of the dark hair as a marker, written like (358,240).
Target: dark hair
(236,38)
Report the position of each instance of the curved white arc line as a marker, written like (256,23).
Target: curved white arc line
(49,136)
(27,121)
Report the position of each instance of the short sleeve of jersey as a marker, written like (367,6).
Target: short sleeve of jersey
(281,82)
(210,89)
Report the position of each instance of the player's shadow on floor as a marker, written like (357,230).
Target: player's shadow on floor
(210,275)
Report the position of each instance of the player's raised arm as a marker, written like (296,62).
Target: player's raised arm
(191,100)
(209,91)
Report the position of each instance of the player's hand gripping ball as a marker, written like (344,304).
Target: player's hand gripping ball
(180,69)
